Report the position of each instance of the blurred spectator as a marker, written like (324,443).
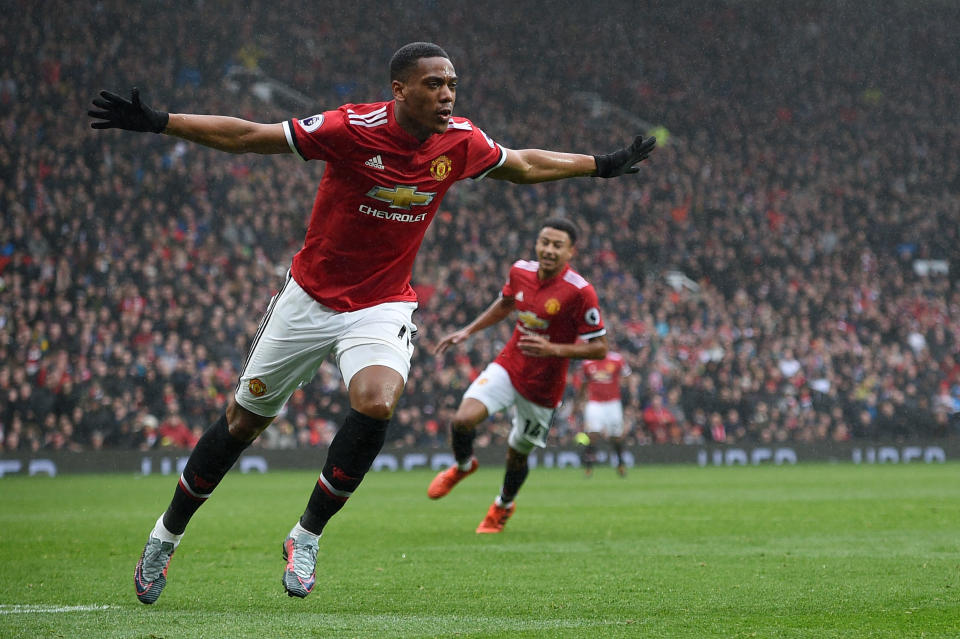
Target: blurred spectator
(658,421)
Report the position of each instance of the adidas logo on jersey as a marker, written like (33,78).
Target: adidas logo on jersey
(375,162)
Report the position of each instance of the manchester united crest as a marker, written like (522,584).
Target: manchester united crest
(552,306)
(256,387)
(440,168)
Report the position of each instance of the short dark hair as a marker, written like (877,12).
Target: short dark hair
(562,224)
(406,57)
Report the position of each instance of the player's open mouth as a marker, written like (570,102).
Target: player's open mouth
(444,114)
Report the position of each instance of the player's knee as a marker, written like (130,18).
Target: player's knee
(376,408)
(516,460)
(468,415)
(462,425)
(374,392)
(243,424)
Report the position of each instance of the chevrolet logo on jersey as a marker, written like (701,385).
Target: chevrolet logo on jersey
(603,375)
(401,197)
(529,320)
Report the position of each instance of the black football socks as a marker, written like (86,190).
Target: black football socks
(461,439)
(351,453)
(513,478)
(215,453)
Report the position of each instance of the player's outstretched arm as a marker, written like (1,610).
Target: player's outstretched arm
(494,313)
(223,133)
(529,166)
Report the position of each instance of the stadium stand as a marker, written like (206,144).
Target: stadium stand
(784,268)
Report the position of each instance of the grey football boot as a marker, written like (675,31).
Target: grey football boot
(151,574)
(300,574)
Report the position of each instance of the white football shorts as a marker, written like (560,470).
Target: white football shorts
(297,333)
(531,422)
(604,417)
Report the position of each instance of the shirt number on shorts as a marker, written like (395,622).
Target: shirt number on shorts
(534,431)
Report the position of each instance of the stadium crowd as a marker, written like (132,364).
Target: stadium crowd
(784,267)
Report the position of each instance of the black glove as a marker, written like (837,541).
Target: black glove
(622,162)
(132,114)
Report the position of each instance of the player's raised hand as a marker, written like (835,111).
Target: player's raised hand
(449,340)
(623,161)
(132,115)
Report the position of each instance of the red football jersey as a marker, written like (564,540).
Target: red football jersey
(380,190)
(602,377)
(563,309)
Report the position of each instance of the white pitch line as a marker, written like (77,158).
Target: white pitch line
(24,609)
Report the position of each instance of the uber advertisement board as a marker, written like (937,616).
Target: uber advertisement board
(169,462)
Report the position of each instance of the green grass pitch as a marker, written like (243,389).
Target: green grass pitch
(671,551)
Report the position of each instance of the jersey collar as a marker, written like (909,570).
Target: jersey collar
(552,278)
(403,136)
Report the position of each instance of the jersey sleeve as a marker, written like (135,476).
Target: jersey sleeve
(483,154)
(510,287)
(590,322)
(318,137)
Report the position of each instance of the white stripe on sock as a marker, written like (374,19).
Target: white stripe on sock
(160,532)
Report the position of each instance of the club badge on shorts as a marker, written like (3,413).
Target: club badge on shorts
(256,387)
